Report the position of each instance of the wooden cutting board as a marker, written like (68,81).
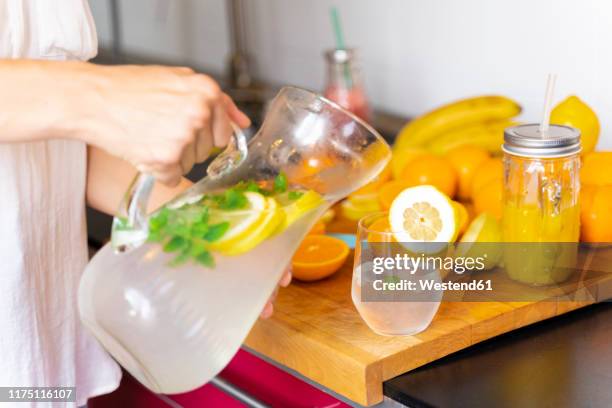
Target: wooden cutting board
(317,331)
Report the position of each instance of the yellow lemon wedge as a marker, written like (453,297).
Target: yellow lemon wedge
(483,229)
(423,214)
(241,222)
(295,208)
(273,216)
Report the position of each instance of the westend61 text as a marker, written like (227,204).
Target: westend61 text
(432,285)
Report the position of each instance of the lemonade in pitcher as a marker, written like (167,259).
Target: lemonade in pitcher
(541,214)
(176,293)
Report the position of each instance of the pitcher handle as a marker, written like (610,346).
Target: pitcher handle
(131,224)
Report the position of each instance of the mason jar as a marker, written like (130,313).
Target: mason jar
(541,213)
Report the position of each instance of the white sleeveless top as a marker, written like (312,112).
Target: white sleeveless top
(43,239)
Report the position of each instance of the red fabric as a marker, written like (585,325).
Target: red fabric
(261,380)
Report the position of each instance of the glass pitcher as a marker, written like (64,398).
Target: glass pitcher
(175,293)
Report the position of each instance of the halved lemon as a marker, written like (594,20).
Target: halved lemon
(242,222)
(273,216)
(296,208)
(484,229)
(423,214)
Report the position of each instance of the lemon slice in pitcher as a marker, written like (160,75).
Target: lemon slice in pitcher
(423,214)
(295,204)
(241,222)
(273,216)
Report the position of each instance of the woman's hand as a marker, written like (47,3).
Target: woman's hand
(160,119)
(269,307)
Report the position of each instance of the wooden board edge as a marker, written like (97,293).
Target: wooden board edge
(355,376)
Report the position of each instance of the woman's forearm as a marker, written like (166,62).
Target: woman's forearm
(42,99)
(108,178)
(159,119)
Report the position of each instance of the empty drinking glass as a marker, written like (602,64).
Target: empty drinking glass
(393,295)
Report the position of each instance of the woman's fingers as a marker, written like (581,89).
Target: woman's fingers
(221,127)
(286,279)
(269,307)
(168,175)
(204,143)
(188,159)
(162,118)
(235,114)
(267,311)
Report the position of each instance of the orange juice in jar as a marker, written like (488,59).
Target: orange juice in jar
(541,213)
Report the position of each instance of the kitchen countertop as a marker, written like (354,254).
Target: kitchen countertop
(562,362)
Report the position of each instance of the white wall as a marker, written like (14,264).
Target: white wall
(416,53)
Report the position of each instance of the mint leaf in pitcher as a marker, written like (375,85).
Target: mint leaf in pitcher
(294,195)
(216,231)
(280,183)
(231,199)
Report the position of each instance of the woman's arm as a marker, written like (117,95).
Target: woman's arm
(108,178)
(159,119)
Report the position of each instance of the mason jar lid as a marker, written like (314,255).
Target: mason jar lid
(340,56)
(528,141)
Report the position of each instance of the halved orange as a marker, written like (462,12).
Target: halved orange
(318,257)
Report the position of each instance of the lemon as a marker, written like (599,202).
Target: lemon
(355,212)
(296,208)
(483,229)
(273,217)
(461,217)
(574,112)
(369,200)
(242,222)
(328,216)
(423,214)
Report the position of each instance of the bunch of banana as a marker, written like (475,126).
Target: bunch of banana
(488,135)
(477,121)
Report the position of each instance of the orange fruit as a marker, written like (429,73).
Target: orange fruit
(318,257)
(465,160)
(388,191)
(317,229)
(429,169)
(596,215)
(597,169)
(489,198)
(372,186)
(491,169)
(380,231)
(401,158)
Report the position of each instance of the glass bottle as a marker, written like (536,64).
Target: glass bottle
(344,82)
(541,213)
